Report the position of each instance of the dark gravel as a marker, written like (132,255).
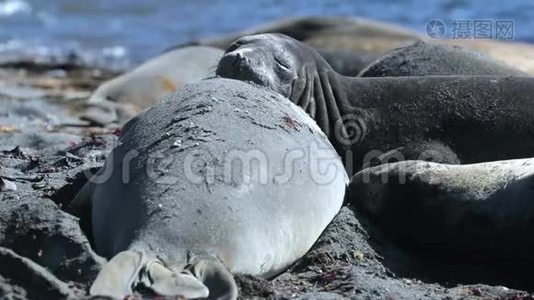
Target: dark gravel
(44,253)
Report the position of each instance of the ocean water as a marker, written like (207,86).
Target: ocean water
(122,33)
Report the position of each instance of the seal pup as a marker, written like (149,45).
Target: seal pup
(144,85)
(423,59)
(475,119)
(471,211)
(222,177)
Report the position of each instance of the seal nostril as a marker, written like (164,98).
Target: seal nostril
(229,59)
(238,58)
(232,59)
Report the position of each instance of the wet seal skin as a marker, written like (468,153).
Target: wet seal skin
(180,215)
(470,118)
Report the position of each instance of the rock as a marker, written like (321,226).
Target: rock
(35,280)
(6,185)
(38,230)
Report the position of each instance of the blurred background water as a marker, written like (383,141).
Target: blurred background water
(126,32)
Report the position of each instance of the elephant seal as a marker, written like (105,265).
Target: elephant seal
(365,118)
(362,36)
(348,63)
(471,211)
(423,59)
(144,85)
(348,44)
(517,54)
(347,34)
(222,177)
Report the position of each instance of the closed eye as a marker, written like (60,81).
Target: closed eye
(281,63)
(234,46)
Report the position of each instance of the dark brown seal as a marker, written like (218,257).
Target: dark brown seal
(477,118)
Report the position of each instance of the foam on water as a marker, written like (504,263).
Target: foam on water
(113,57)
(12,7)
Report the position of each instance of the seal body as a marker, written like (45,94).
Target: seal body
(367,118)
(423,59)
(348,63)
(144,85)
(472,211)
(477,118)
(366,37)
(338,34)
(220,171)
(348,44)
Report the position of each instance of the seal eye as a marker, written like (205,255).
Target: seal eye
(281,64)
(110,98)
(235,45)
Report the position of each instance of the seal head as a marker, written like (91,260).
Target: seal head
(292,69)
(272,60)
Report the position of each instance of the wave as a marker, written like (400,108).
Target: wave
(18,50)
(13,7)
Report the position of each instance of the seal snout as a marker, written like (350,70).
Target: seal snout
(237,64)
(240,57)
(232,59)
(230,65)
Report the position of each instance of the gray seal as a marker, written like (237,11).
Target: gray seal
(424,59)
(222,177)
(348,63)
(465,211)
(348,44)
(368,118)
(348,34)
(124,96)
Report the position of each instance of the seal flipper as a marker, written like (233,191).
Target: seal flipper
(165,282)
(118,276)
(126,269)
(100,113)
(216,277)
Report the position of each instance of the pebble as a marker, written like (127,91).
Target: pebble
(6,185)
